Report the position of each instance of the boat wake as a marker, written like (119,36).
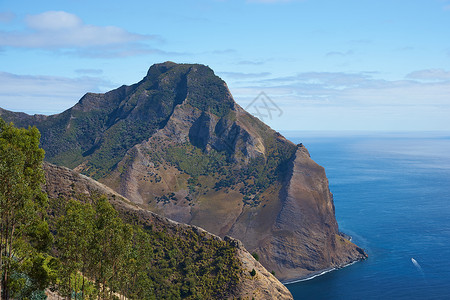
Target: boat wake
(416,264)
(419,268)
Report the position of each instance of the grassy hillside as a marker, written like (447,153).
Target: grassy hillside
(136,261)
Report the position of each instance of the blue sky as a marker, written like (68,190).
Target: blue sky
(326,64)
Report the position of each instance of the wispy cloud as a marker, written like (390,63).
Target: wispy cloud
(114,51)
(240,75)
(251,62)
(315,100)
(323,80)
(89,71)
(430,74)
(29,93)
(64,32)
(339,53)
(353,89)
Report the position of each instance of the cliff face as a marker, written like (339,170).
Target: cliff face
(177,144)
(63,182)
(305,229)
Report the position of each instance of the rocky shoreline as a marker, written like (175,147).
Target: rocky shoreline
(319,273)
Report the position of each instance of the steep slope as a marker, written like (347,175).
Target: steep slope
(177,144)
(64,183)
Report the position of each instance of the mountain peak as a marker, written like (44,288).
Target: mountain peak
(161,67)
(157,70)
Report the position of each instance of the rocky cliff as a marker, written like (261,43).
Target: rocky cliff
(177,144)
(63,182)
(305,228)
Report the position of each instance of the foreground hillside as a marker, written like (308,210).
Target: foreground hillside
(177,144)
(76,238)
(224,255)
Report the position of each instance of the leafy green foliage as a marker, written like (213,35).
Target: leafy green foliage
(24,233)
(74,234)
(135,262)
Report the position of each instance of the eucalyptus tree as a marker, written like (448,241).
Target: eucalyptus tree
(23,231)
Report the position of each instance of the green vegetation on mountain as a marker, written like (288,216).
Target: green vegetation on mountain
(116,257)
(194,161)
(82,247)
(258,175)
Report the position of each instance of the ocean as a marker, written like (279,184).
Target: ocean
(392,195)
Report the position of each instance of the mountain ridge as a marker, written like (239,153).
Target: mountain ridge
(62,182)
(176,143)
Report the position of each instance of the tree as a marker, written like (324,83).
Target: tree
(256,256)
(74,236)
(22,202)
(110,247)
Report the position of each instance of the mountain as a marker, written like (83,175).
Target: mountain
(177,144)
(63,183)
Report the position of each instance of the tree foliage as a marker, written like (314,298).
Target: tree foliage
(116,258)
(23,230)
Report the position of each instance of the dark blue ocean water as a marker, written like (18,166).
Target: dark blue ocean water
(392,195)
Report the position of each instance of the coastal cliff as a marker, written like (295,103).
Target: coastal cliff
(307,209)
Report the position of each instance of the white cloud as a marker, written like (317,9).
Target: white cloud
(54,21)
(430,74)
(45,94)
(66,33)
(241,75)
